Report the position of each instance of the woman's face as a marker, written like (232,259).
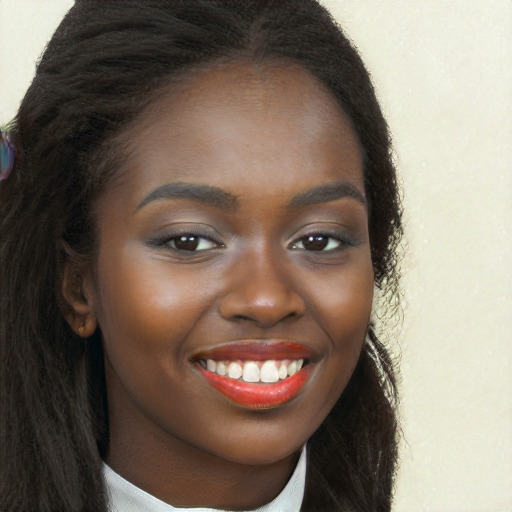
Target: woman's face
(235,241)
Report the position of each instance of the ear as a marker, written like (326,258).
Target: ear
(77,294)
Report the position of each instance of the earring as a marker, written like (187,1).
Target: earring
(6,156)
(82,329)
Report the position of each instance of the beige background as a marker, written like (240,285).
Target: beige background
(443,72)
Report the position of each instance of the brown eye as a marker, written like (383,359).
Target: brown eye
(186,243)
(317,243)
(190,243)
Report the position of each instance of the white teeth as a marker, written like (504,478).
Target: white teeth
(283,372)
(221,368)
(234,371)
(251,372)
(292,368)
(255,371)
(269,372)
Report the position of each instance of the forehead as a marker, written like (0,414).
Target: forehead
(240,121)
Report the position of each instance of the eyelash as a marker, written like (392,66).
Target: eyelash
(169,241)
(166,240)
(342,242)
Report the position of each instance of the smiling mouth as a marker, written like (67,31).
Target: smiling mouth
(256,375)
(253,371)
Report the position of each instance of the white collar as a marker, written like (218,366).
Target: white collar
(126,497)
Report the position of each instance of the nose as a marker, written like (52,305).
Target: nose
(261,291)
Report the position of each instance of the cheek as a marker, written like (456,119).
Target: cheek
(146,313)
(145,310)
(345,304)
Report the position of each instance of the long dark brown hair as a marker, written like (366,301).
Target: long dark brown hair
(106,62)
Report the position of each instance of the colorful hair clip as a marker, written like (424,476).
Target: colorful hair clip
(6,156)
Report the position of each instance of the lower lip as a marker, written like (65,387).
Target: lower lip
(258,396)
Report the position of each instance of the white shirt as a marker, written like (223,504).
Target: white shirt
(126,497)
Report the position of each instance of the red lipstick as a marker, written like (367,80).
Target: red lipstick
(262,394)
(257,351)
(258,396)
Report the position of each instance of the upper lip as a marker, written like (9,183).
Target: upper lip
(257,350)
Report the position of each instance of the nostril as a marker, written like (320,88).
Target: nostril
(262,302)
(241,317)
(263,320)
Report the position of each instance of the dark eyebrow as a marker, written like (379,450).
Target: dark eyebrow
(328,192)
(202,193)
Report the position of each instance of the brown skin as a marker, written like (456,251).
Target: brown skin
(264,135)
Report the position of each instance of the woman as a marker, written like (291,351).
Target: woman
(201,204)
